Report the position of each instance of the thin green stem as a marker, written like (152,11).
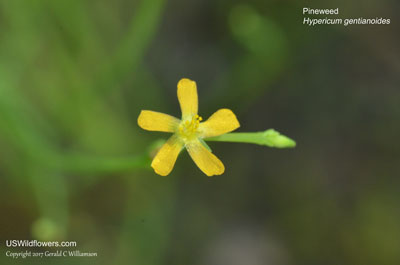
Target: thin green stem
(269,138)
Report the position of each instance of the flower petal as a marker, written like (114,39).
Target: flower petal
(221,122)
(187,96)
(164,161)
(157,121)
(204,159)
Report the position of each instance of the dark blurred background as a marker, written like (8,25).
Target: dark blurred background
(75,74)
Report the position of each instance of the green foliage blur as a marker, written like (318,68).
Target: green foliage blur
(74,165)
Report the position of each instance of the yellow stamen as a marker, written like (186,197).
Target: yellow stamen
(188,129)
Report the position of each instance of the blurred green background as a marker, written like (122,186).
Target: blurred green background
(75,74)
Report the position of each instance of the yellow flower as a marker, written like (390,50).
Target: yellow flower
(188,132)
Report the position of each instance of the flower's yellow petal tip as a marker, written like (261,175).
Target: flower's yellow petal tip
(232,118)
(214,171)
(217,172)
(186,82)
(141,121)
(160,171)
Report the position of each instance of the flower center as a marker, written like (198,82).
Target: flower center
(187,129)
